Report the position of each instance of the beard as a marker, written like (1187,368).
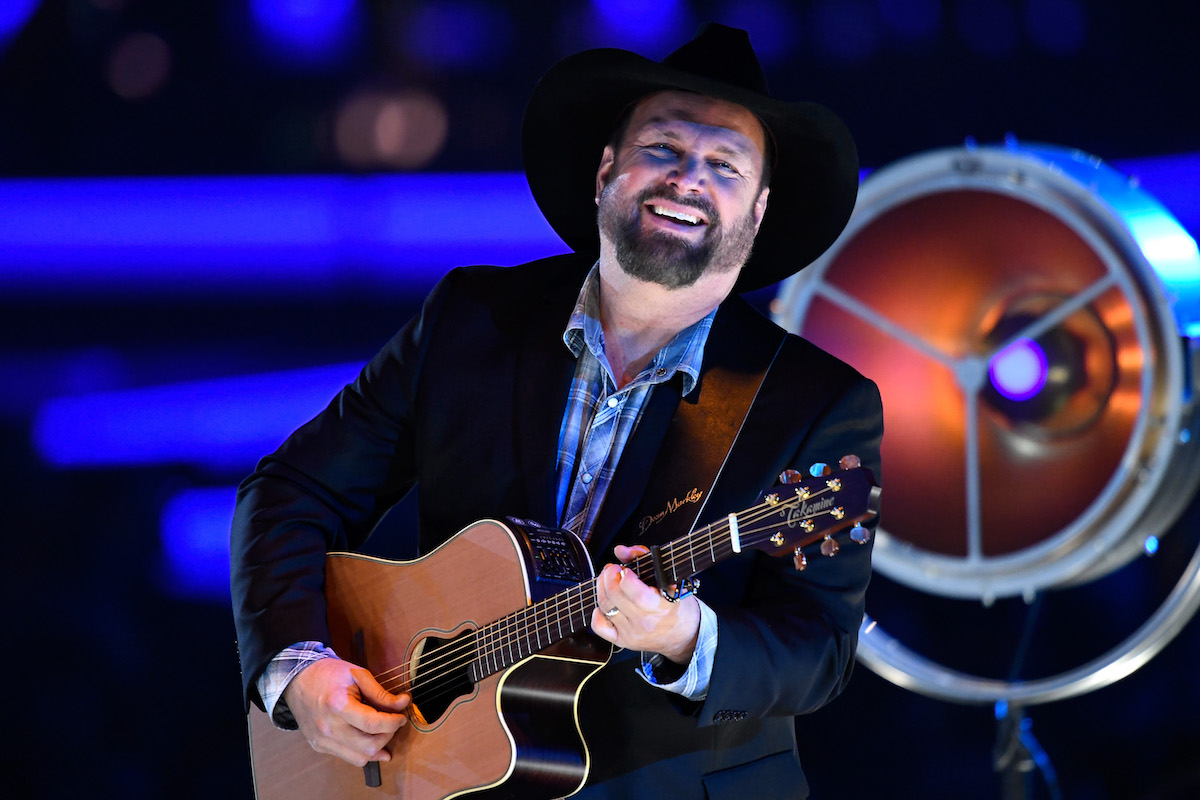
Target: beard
(667,260)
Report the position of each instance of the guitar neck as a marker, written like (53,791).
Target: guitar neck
(688,555)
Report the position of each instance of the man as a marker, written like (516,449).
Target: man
(626,395)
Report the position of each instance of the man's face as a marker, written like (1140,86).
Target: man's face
(681,193)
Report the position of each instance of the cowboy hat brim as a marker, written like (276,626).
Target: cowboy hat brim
(577,104)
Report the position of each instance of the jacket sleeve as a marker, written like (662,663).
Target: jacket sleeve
(787,645)
(324,489)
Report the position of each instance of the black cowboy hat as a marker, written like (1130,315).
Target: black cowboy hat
(577,104)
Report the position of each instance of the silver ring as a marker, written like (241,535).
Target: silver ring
(612,612)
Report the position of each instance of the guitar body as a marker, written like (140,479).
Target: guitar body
(513,733)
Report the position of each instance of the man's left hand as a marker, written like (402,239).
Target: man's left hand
(643,619)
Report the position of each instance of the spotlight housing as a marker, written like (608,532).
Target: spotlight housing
(1031,317)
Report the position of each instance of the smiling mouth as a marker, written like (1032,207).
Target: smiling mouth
(691,220)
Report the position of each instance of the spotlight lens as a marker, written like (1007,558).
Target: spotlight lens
(1018,372)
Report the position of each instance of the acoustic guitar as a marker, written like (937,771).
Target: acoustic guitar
(490,635)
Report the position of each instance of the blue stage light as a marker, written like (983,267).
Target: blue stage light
(636,24)
(308,31)
(246,235)
(194,530)
(13,16)
(1019,371)
(225,424)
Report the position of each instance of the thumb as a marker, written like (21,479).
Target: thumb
(375,695)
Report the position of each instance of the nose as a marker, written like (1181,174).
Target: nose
(687,175)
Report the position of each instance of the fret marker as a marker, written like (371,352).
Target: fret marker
(733,534)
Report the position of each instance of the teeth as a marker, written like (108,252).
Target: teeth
(678,215)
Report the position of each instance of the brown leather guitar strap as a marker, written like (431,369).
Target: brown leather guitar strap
(698,441)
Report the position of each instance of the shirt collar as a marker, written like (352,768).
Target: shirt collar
(684,353)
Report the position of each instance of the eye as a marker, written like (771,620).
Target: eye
(725,168)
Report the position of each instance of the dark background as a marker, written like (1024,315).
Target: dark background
(125,688)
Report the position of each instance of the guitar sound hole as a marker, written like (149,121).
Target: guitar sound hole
(442,676)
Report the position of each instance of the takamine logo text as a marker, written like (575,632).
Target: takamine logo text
(808,510)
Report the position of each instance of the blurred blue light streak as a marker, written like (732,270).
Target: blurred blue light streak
(289,234)
(225,424)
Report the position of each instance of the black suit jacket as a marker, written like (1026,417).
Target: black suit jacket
(465,404)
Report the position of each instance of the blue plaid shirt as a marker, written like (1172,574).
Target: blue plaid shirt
(596,424)
(599,417)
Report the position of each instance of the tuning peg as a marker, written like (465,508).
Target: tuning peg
(819,470)
(799,560)
(860,535)
(829,546)
(790,476)
(849,462)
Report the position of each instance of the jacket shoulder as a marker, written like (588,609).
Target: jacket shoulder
(536,279)
(749,329)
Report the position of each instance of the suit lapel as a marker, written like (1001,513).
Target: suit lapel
(544,368)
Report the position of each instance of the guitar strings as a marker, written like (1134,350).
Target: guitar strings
(493,644)
(497,640)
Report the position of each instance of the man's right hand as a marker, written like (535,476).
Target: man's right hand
(342,710)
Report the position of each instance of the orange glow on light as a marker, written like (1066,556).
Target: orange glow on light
(948,269)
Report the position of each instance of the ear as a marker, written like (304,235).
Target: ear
(607,160)
(760,206)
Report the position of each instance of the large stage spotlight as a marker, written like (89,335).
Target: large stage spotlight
(1032,318)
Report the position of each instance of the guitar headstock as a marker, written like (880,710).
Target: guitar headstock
(804,510)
